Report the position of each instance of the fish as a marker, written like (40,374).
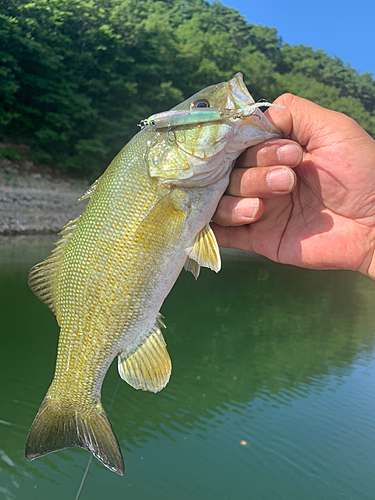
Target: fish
(147,218)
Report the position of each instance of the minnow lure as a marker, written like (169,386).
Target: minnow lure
(179,118)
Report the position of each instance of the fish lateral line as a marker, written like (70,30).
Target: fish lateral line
(179,118)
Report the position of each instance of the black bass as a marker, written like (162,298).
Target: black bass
(148,217)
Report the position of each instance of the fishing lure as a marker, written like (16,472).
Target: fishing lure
(178,118)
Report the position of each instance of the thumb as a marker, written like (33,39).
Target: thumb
(303,121)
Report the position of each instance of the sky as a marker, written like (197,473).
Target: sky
(342,27)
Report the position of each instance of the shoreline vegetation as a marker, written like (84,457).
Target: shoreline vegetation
(77,77)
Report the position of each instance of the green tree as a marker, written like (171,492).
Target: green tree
(76,76)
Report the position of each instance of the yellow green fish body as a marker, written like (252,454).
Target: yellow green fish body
(148,216)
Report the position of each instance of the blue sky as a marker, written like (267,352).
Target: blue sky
(343,28)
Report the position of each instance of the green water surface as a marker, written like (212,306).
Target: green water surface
(278,358)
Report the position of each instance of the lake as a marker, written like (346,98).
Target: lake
(272,393)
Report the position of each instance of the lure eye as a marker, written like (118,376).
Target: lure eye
(200,103)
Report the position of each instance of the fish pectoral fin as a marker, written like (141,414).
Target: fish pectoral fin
(165,222)
(205,252)
(148,367)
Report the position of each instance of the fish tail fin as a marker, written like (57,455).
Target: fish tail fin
(54,429)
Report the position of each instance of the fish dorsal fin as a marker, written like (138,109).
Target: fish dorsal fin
(42,276)
(148,366)
(90,191)
(165,221)
(205,252)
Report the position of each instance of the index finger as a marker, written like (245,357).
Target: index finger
(271,153)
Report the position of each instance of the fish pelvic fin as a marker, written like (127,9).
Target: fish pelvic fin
(54,429)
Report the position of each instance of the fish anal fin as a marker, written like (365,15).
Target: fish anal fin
(192,266)
(42,276)
(148,366)
(54,429)
(205,252)
(165,222)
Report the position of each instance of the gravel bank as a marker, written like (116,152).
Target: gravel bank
(32,203)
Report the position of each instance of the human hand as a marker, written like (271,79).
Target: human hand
(327,221)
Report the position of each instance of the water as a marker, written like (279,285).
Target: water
(279,359)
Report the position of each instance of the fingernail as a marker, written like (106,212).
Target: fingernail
(289,154)
(247,208)
(280,180)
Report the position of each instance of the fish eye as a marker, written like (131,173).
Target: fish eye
(200,103)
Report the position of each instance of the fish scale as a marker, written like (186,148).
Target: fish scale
(101,251)
(148,216)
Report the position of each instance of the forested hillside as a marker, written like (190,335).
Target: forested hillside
(76,76)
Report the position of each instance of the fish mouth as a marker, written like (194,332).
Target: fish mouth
(240,94)
(242,99)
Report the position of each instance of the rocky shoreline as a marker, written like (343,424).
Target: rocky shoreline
(36,202)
